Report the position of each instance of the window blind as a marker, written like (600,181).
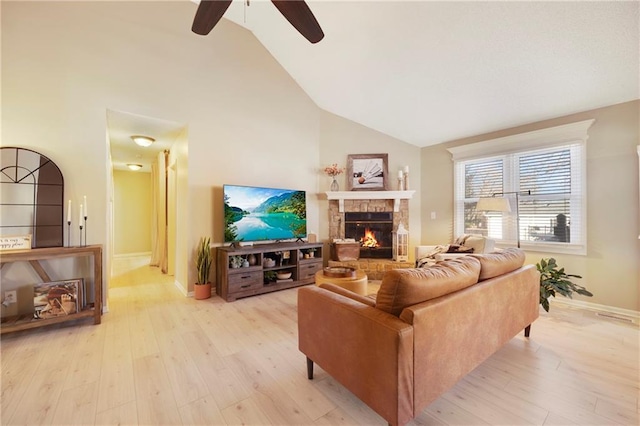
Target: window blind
(551,205)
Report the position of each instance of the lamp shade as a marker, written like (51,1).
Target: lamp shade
(493,204)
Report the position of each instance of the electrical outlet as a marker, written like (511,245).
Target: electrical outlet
(10,296)
(433,215)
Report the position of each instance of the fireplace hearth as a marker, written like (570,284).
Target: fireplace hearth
(374,232)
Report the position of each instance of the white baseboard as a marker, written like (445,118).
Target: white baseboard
(179,286)
(620,313)
(141,254)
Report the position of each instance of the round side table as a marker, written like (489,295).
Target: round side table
(356,285)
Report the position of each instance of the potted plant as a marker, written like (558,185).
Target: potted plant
(269,277)
(554,280)
(202,289)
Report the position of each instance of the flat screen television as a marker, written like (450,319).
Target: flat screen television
(254,213)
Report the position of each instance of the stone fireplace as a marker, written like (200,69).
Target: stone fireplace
(348,208)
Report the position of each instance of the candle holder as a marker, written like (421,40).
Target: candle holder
(85,230)
(406,180)
(400,184)
(68,233)
(80,235)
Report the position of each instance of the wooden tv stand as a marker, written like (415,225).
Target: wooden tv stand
(23,322)
(305,259)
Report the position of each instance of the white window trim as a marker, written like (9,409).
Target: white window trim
(552,136)
(544,138)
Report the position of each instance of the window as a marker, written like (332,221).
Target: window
(542,178)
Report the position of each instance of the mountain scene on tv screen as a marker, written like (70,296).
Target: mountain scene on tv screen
(254,214)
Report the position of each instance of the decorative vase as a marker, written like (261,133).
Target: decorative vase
(334,184)
(202,291)
(252,259)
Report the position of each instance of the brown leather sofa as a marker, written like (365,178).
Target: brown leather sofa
(425,330)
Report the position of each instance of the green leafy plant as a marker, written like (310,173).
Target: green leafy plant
(203,260)
(554,280)
(269,276)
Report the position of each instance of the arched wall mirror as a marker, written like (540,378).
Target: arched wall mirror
(31,197)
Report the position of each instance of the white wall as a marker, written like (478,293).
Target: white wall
(179,156)
(340,137)
(66,63)
(132,210)
(611,268)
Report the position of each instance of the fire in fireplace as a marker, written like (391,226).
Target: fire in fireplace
(369,239)
(373,230)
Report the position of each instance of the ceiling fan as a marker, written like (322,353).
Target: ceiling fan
(296,11)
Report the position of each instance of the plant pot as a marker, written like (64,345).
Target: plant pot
(202,291)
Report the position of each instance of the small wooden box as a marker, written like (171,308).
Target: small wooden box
(344,252)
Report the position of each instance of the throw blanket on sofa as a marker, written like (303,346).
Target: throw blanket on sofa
(430,258)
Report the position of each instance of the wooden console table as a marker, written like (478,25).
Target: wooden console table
(23,322)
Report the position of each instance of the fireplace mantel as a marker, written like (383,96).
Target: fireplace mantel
(369,195)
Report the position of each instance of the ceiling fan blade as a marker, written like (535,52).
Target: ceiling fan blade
(300,16)
(208,14)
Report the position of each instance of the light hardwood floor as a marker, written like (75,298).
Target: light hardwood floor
(161,358)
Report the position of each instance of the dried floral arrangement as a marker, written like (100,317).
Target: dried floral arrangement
(333,170)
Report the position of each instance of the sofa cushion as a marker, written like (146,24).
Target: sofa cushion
(494,264)
(405,287)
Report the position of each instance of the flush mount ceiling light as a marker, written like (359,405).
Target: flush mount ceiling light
(134,167)
(143,140)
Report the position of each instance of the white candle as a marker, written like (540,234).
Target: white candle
(69,212)
(400,174)
(85,206)
(406,169)
(80,222)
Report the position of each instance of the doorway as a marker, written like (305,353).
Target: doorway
(143,229)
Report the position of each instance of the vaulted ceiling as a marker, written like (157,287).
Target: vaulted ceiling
(427,72)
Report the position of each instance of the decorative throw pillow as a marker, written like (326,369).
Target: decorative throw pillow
(478,243)
(461,239)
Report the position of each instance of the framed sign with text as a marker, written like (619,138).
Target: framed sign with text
(15,242)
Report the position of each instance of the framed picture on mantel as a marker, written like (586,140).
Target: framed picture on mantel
(367,172)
